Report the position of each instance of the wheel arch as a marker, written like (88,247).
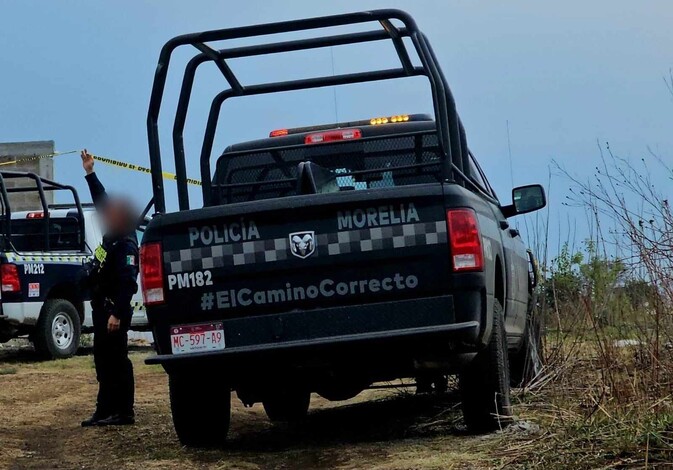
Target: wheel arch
(68,291)
(499,282)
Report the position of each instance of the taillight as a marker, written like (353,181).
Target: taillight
(465,240)
(333,136)
(10,278)
(152,273)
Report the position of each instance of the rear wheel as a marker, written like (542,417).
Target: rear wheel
(58,330)
(484,383)
(201,411)
(287,405)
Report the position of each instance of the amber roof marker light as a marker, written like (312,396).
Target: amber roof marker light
(390,119)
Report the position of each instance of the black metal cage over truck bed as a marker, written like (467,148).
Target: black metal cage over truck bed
(37,232)
(393,26)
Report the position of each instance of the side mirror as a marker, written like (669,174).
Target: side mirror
(525,199)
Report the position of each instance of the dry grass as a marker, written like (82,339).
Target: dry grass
(564,422)
(42,404)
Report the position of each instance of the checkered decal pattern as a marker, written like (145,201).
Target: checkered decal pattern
(218,256)
(42,258)
(382,238)
(328,244)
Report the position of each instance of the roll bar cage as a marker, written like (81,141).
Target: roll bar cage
(41,185)
(451,134)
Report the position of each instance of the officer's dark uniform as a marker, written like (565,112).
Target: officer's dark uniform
(113,283)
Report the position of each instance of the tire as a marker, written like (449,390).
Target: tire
(201,410)
(484,383)
(526,363)
(58,330)
(287,405)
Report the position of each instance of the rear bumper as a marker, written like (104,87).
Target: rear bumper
(417,327)
(456,332)
(21,313)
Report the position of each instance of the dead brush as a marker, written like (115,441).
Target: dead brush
(605,396)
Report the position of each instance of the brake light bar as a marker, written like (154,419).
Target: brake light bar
(465,240)
(10,278)
(333,136)
(152,273)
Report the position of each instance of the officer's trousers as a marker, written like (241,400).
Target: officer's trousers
(114,370)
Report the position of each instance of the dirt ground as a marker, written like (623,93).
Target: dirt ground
(42,404)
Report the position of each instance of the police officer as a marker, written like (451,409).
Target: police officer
(111,279)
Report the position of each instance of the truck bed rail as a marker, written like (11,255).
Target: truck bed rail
(40,185)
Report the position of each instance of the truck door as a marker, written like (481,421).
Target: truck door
(517,277)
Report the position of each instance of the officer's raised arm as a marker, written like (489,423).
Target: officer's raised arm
(98,194)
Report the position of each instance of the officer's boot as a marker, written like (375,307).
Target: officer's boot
(95,419)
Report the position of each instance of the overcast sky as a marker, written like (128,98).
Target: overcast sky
(566,75)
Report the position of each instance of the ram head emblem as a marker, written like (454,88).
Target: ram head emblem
(302,244)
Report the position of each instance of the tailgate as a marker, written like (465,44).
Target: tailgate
(305,252)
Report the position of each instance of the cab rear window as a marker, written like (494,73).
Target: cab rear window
(363,164)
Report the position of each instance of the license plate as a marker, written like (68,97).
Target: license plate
(186,339)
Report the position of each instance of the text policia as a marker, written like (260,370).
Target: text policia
(326,288)
(108,161)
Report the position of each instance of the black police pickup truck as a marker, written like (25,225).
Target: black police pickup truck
(329,258)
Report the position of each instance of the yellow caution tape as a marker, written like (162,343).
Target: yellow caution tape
(36,157)
(105,160)
(141,169)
